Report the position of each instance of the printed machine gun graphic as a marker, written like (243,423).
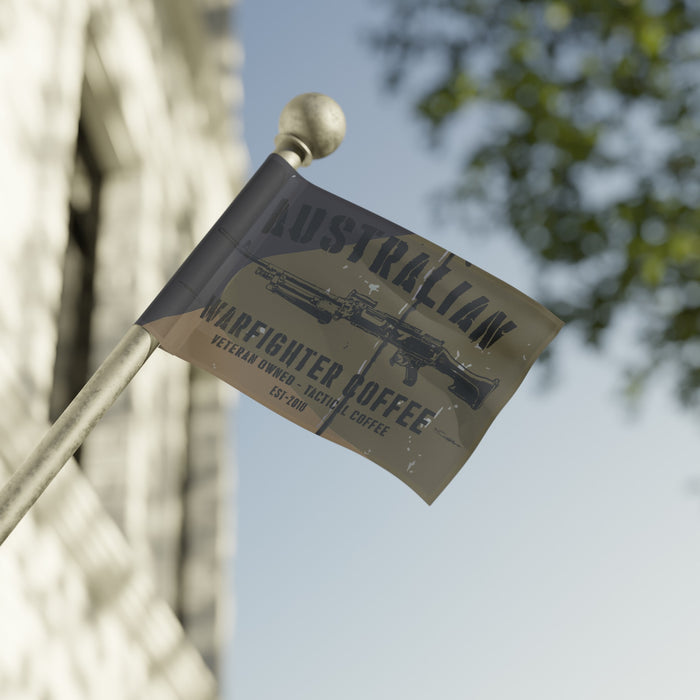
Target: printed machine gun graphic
(414,348)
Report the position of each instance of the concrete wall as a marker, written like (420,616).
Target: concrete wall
(121,552)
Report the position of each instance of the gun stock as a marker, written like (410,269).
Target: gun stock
(469,386)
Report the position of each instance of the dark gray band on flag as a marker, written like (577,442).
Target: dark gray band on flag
(182,292)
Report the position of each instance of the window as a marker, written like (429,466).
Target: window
(77,299)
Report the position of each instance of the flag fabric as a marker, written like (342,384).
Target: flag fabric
(351,326)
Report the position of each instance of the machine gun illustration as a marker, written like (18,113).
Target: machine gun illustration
(414,349)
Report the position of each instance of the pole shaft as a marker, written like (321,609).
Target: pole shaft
(311,126)
(72,427)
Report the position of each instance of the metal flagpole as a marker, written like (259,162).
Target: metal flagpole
(311,126)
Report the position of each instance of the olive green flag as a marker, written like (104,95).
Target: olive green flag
(351,326)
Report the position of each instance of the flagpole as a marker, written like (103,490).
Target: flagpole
(311,126)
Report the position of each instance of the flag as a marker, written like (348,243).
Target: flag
(351,326)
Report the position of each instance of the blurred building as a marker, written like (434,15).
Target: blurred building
(119,147)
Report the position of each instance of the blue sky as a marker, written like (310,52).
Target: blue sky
(562,562)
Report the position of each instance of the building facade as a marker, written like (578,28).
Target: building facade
(119,147)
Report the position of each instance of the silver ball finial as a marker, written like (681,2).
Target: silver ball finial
(312,125)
